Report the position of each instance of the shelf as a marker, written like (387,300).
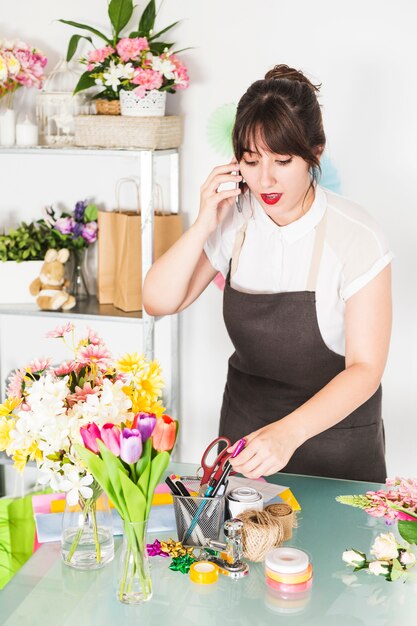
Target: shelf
(71,150)
(83,310)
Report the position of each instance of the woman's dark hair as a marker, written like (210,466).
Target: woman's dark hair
(281,111)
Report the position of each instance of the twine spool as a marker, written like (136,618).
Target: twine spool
(286,516)
(261,532)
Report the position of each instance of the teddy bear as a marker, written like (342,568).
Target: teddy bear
(50,286)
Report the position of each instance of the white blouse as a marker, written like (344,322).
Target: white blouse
(277,258)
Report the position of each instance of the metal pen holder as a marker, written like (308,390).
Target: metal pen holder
(204,515)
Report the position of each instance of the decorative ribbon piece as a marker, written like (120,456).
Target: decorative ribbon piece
(176,549)
(182,563)
(154,549)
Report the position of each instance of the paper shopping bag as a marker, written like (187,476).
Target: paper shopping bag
(106,265)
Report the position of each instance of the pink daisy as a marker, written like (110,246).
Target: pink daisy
(94,355)
(60,331)
(15,386)
(67,367)
(93,337)
(81,394)
(38,366)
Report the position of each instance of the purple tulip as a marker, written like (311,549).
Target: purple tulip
(89,232)
(130,445)
(90,434)
(65,225)
(145,422)
(110,436)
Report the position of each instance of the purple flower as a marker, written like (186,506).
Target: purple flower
(145,422)
(65,225)
(89,232)
(77,230)
(79,210)
(130,445)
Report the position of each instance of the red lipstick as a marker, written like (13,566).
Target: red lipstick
(271,198)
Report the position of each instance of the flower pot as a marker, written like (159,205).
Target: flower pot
(87,532)
(135,583)
(15,279)
(151,105)
(107,107)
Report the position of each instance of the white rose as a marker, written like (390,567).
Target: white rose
(379,567)
(352,557)
(385,547)
(408,558)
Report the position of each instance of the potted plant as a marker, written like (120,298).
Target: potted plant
(137,69)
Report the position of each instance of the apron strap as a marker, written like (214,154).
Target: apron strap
(317,254)
(237,246)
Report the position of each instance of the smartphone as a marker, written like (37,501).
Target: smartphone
(239,199)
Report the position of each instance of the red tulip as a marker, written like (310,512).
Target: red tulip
(164,434)
(110,436)
(90,434)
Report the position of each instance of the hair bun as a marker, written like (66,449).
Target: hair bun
(289,73)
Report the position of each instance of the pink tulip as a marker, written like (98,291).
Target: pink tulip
(90,434)
(404,517)
(110,436)
(164,434)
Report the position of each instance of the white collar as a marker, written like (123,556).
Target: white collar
(306,223)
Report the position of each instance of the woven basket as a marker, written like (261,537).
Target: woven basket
(107,107)
(108,131)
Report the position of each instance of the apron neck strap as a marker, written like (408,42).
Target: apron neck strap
(317,254)
(237,246)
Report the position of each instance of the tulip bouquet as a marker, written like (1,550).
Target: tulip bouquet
(392,560)
(51,410)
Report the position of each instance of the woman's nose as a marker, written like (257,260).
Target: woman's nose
(267,178)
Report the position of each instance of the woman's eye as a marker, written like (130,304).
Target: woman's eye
(250,162)
(286,162)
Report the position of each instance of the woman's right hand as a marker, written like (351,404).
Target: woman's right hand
(214,205)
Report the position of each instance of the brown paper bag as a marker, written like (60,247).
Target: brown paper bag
(106,256)
(128,283)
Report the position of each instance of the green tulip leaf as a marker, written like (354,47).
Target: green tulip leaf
(408,531)
(134,500)
(158,466)
(114,465)
(99,470)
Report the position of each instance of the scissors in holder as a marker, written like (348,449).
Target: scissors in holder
(212,472)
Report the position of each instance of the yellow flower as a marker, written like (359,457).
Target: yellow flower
(141,403)
(9,406)
(20,458)
(132,363)
(34,453)
(151,382)
(6,426)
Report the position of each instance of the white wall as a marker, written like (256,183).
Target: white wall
(364,53)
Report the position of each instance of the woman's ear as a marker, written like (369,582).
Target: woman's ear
(319,151)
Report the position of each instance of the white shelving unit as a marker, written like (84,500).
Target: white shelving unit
(91,308)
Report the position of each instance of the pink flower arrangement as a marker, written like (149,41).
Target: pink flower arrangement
(129,49)
(20,66)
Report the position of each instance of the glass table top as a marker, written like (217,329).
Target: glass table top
(46,592)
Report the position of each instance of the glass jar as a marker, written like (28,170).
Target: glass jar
(135,583)
(56,106)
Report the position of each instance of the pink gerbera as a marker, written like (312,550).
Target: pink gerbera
(81,394)
(15,386)
(93,337)
(94,355)
(67,367)
(38,366)
(60,331)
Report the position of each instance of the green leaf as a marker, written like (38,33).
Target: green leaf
(164,30)
(147,20)
(397,570)
(134,499)
(158,467)
(120,12)
(408,531)
(89,28)
(86,81)
(90,213)
(114,466)
(98,469)
(159,47)
(73,45)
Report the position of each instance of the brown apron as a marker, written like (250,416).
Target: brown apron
(280,361)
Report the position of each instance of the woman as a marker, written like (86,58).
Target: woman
(307,301)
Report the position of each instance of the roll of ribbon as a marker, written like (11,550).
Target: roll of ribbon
(300,587)
(290,579)
(244,499)
(285,513)
(286,560)
(204,572)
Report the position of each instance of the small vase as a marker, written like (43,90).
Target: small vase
(135,583)
(78,287)
(151,105)
(87,532)
(7,121)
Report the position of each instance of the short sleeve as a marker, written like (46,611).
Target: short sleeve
(367,255)
(219,245)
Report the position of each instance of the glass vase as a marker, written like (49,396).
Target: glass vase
(87,532)
(7,120)
(135,583)
(78,287)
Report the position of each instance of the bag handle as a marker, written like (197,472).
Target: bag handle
(119,185)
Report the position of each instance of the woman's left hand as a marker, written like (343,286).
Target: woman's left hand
(267,450)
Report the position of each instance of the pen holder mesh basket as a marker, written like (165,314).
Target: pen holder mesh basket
(198,518)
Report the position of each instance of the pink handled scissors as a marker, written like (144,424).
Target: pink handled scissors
(214,471)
